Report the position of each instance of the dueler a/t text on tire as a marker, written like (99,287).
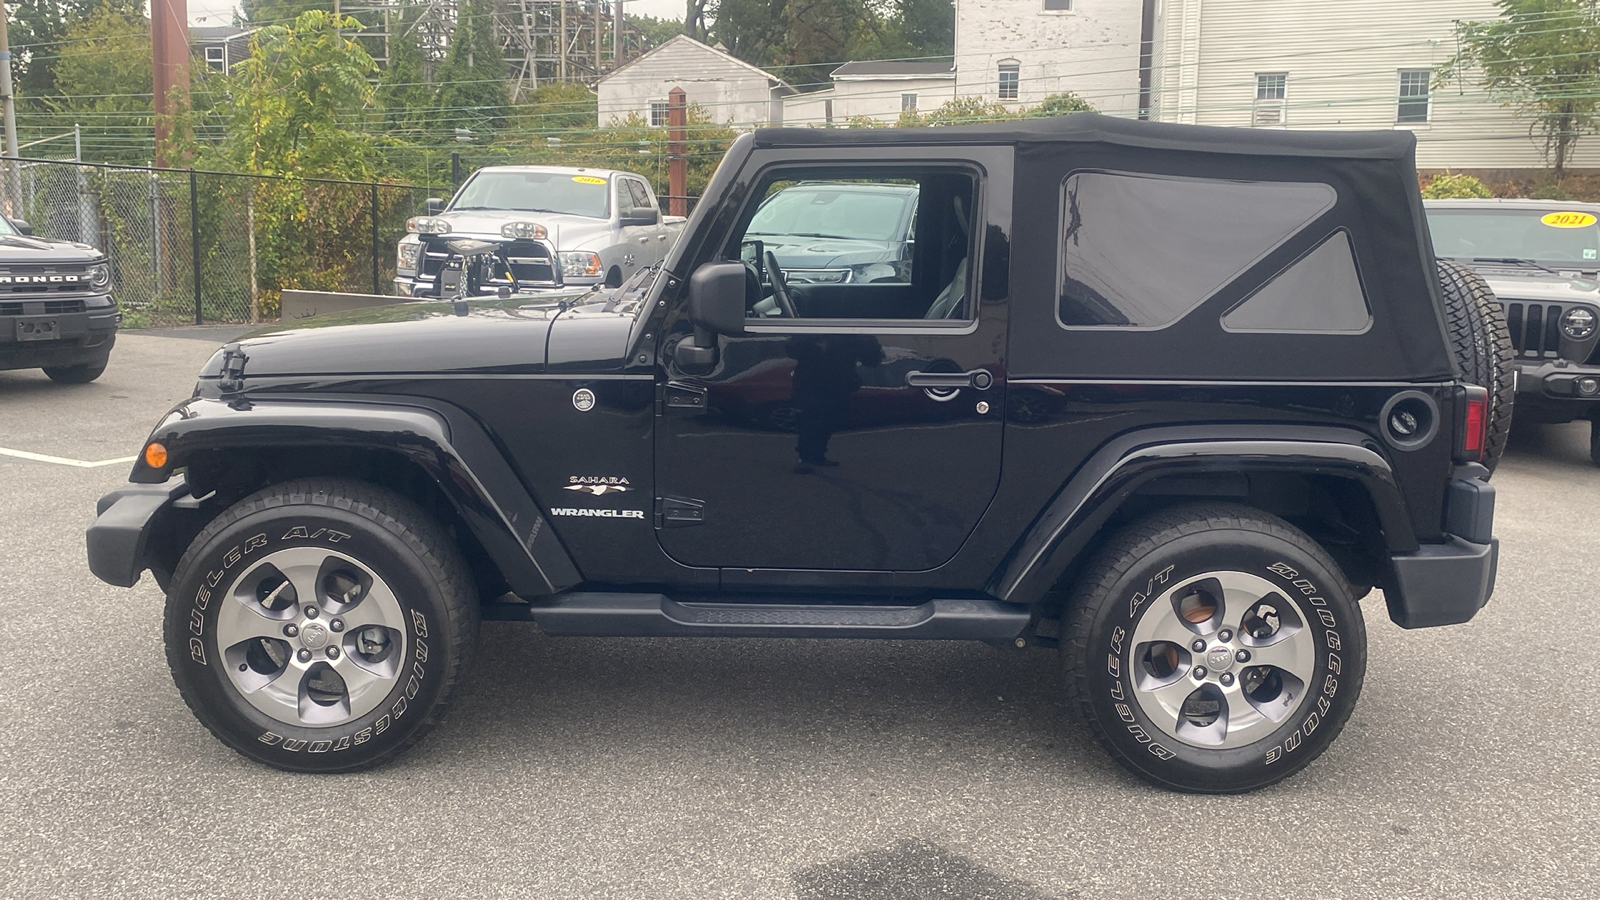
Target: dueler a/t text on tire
(320,625)
(1214,648)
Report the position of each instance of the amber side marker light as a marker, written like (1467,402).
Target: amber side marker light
(155,455)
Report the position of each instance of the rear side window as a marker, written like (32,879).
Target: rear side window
(1319,292)
(1142,251)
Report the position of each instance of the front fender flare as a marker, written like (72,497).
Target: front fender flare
(1109,477)
(449,446)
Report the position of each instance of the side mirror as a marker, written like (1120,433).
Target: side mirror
(22,226)
(716,306)
(433,206)
(641,215)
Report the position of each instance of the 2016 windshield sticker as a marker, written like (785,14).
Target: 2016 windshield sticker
(1568,220)
(588,179)
(598,485)
(600,513)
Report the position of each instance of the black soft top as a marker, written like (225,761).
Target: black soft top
(1095,128)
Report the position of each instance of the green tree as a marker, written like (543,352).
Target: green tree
(557,106)
(654,31)
(1449,186)
(404,92)
(298,104)
(36,30)
(103,75)
(472,81)
(1542,59)
(278,12)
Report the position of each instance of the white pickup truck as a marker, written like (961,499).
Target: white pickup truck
(559,227)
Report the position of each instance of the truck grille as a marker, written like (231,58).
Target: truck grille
(68,278)
(39,307)
(529,263)
(1535,329)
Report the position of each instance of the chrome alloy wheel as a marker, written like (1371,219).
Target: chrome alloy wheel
(1221,660)
(311,637)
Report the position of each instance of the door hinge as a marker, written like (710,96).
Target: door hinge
(679,512)
(682,397)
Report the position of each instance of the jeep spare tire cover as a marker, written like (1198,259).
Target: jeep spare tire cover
(1481,343)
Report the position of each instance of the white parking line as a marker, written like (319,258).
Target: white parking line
(63,461)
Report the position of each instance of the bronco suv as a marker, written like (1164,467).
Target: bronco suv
(1171,399)
(56,311)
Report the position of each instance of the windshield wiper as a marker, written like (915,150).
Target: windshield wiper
(1515,261)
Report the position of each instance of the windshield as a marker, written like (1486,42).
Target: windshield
(6,227)
(1552,236)
(833,211)
(552,192)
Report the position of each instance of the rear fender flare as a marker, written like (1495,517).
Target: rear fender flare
(1088,500)
(450,447)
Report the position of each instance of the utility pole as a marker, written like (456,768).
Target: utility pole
(8,108)
(169,64)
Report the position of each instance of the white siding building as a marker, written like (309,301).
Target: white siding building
(1021,51)
(731,90)
(1338,65)
(875,90)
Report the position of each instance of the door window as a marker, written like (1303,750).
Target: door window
(641,197)
(837,244)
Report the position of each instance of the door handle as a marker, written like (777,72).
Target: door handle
(977,378)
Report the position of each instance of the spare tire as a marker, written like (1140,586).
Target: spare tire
(1482,347)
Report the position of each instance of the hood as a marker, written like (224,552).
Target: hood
(567,232)
(825,253)
(15,248)
(495,335)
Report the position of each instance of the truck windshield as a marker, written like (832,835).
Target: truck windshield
(6,226)
(833,212)
(1560,236)
(546,192)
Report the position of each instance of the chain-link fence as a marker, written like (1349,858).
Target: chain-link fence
(194,247)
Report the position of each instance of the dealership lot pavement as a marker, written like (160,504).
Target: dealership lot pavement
(760,768)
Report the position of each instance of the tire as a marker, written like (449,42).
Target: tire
(1131,659)
(1482,347)
(253,665)
(83,373)
(1594,440)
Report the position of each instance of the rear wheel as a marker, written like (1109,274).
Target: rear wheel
(320,626)
(1214,649)
(1482,346)
(83,373)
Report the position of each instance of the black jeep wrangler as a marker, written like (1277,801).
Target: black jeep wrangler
(1542,259)
(56,311)
(1170,399)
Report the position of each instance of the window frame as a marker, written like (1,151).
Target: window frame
(908,102)
(220,63)
(1061,255)
(1012,68)
(814,170)
(1066,6)
(1425,99)
(661,108)
(1279,104)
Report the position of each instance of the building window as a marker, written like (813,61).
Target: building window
(1010,79)
(1058,5)
(1414,96)
(658,113)
(827,110)
(1272,90)
(908,102)
(216,58)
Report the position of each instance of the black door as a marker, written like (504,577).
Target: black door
(858,425)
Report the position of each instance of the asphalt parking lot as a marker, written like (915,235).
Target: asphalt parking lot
(771,769)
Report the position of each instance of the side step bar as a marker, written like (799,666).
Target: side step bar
(657,615)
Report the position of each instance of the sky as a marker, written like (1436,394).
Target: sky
(220,12)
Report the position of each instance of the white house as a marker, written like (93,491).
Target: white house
(1021,51)
(731,90)
(877,90)
(1337,65)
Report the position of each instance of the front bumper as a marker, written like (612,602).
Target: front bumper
(82,336)
(1447,583)
(119,540)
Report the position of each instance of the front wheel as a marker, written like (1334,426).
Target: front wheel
(320,625)
(1214,649)
(1594,440)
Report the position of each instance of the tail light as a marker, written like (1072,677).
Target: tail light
(1472,422)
